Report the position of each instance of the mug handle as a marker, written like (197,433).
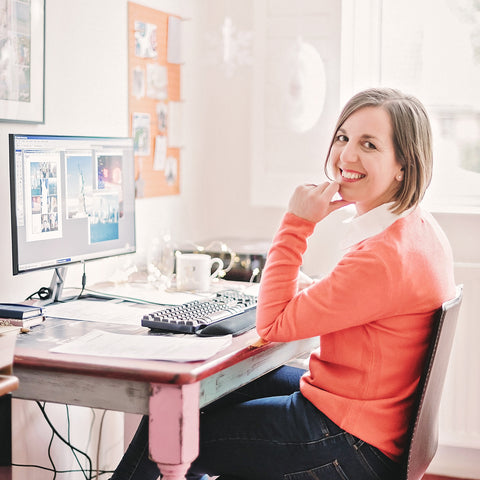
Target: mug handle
(219,269)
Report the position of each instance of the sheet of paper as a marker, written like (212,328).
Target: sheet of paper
(152,347)
(147,292)
(124,313)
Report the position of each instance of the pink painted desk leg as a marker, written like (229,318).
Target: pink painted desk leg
(174,423)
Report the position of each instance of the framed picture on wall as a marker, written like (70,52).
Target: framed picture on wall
(22,61)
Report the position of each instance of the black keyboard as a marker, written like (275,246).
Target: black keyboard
(229,312)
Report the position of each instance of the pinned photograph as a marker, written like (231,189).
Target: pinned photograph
(141,133)
(157,81)
(145,40)
(138,82)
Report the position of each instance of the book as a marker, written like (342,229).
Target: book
(19,310)
(22,322)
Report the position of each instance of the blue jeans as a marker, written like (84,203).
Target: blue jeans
(268,430)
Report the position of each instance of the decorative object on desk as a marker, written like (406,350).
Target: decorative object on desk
(154,103)
(161,260)
(194,271)
(22,74)
(19,310)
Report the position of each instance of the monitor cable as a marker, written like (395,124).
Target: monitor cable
(84,281)
(44,293)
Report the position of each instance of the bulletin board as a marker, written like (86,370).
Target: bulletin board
(154,103)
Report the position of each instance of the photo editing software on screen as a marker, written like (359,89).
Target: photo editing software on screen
(72,199)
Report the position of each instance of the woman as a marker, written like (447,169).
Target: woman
(347,416)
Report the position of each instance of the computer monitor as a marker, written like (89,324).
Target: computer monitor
(72,199)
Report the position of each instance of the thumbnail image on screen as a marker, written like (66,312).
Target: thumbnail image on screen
(72,199)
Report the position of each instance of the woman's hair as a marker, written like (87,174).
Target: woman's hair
(412,140)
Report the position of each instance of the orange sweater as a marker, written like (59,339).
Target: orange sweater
(373,313)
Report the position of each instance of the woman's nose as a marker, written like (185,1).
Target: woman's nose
(348,153)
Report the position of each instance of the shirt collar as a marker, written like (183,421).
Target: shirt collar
(358,228)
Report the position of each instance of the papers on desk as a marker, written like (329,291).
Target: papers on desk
(106,311)
(152,347)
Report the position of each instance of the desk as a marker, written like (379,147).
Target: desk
(171,393)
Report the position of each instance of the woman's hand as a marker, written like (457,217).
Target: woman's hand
(314,202)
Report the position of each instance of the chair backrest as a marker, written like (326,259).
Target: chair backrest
(423,433)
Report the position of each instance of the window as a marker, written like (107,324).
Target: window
(431,48)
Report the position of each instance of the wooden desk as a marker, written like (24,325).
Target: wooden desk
(171,393)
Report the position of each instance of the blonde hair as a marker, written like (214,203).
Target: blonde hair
(411,137)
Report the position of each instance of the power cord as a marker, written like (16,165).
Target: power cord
(43,293)
(66,442)
(98,443)
(87,473)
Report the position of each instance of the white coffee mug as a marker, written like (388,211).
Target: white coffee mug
(194,271)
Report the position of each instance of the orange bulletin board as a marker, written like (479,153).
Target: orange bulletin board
(154,103)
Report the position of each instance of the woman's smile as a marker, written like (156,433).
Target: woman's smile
(351,175)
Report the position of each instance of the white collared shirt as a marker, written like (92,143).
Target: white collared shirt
(371,223)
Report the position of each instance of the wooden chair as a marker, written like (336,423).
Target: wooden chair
(423,433)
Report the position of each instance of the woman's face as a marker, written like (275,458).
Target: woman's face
(362,159)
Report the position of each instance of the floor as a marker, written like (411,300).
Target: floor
(438,477)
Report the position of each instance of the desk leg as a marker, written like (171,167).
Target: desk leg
(174,424)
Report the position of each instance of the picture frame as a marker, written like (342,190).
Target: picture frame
(22,77)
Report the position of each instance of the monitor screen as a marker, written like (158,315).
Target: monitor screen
(72,199)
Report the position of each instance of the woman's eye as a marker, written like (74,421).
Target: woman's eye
(370,145)
(342,138)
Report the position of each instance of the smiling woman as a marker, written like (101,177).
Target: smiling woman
(348,415)
(368,173)
(381,150)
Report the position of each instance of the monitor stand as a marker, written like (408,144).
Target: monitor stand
(57,282)
(56,288)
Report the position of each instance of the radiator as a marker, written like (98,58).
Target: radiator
(459,419)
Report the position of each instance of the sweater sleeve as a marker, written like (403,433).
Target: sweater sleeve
(355,292)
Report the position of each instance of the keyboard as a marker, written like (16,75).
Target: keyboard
(229,312)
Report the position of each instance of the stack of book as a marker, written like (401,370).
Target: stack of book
(20,315)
